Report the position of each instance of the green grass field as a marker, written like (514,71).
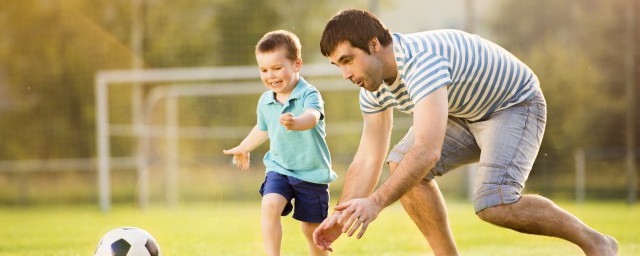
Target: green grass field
(234,229)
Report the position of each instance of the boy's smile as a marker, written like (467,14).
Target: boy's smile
(278,73)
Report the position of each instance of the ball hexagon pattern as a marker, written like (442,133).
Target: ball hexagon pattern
(127,241)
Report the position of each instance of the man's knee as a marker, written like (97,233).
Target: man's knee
(488,214)
(501,215)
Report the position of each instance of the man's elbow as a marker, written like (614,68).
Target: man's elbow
(433,157)
(428,154)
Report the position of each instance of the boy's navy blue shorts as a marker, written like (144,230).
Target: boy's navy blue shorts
(311,199)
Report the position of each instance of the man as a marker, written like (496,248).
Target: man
(471,101)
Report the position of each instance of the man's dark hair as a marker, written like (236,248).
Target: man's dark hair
(357,27)
(280,39)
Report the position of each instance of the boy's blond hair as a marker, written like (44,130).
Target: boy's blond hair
(281,39)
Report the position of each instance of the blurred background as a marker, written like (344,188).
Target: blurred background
(53,55)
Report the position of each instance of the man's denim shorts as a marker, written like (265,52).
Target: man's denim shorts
(311,200)
(505,145)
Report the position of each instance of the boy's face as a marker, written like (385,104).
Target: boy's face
(278,73)
(362,69)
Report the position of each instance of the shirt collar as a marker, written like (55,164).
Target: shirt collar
(295,94)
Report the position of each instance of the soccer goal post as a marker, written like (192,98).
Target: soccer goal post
(171,84)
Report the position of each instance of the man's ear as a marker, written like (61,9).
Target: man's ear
(374,45)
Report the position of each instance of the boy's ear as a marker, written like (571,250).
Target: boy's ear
(297,65)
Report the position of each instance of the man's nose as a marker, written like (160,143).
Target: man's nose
(346,74)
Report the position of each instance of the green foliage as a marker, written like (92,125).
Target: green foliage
(51,51)
(577,49)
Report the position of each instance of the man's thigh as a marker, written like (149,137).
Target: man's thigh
(509,142)
(459,148)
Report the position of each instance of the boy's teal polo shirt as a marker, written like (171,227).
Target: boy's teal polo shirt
(300,154)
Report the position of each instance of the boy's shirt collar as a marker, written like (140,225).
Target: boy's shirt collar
(295,94)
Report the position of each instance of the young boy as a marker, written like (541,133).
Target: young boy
(298,164)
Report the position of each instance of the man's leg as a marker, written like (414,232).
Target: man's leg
(509,140)
(534,214)
(425,206)
(424,203)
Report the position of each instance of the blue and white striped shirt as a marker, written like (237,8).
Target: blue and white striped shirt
(481,77)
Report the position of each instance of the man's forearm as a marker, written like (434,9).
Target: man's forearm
(413,168)
(360,180)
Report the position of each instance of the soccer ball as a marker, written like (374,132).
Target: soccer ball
(127,241)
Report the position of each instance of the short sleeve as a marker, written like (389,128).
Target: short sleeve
(262,122)
(426,73)
(313,100)
(369,103)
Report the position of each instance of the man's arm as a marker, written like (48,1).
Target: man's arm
(429,127)
(364,171)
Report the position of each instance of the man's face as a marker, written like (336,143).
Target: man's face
(362,69)
(278,73)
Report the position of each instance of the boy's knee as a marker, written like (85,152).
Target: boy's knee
(273,202)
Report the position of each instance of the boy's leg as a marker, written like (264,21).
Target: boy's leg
(509,141)
(311,208)
(272,206)
(276,197)
(307,230)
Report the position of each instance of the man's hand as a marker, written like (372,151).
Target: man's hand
(328,231)
(287,120)
(240,157)
(357,213)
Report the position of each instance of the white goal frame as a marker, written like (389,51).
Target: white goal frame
(176,79)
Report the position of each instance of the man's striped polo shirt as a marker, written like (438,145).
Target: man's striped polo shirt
(481,77)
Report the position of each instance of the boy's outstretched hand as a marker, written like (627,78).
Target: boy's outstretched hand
(240,157)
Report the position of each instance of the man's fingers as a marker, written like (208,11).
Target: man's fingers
(346,213)
(355,227)
(363,229)
(353,220)
(342,206)
(331,223)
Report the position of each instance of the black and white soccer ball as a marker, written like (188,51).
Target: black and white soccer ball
(127,241)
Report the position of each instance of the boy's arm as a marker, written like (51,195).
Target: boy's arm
(241,152)
(306,121)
